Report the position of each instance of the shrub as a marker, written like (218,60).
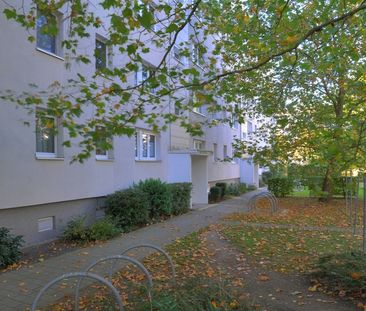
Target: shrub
(346,271)
(265,176)
(181,197)
(251,187)
(243,188)
(233,189)
(159,197)
(223,187)
(215,194)
(280,186)
(9,247)
(76,230)
(129,207)
(103,229)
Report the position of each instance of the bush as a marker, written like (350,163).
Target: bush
(9,247)
(233,189)
(103,229)
(243,188)
(265,176)
(346,271)
(129,207)
(251,187)
(280,186)
(215,194)
(181,197)
(76,230)
(159,197)
(223,187)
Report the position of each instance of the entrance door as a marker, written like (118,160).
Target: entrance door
(199,179)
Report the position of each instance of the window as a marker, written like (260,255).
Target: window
(45,135)
(196,101)
(103,58)
(46,224)
(145,146)
(249,127)
(214,155)
(198,144)
(197,54)
(102,144)
(144,73)
(225,152)
(48,42)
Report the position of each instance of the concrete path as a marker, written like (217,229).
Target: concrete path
(19,288)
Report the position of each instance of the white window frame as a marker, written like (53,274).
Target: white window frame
(199,109)
(108,52)
(103,157)
(140,76)
(214,152)
(50,221)
(40,154)
(58,53)
(139,147)
(198,144)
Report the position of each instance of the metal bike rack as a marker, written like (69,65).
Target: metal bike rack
(116,257)
(159,249)
(78,275)
(264,195)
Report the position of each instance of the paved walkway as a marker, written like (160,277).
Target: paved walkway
(18,288)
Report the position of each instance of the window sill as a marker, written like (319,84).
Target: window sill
(147,160)
(50,54)
(104,160)
(199,113)
(49,158)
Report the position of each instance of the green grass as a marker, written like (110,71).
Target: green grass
(344,271)
(289,250)
(306,193)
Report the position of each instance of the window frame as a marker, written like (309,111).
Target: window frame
(108,154)
(201,144)
(139,146)
(108,53)
(41,154)
(58,53)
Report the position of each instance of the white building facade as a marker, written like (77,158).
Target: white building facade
(40,191)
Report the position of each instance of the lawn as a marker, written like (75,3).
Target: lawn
(289,250)
(306,193)
(200,284)
(301,212)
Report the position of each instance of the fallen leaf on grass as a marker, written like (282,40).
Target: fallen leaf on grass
(263,277)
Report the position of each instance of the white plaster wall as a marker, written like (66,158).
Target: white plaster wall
(179,168)
(249,172)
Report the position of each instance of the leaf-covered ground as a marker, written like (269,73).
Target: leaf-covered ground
(302,212)
(244,266)
(286,249)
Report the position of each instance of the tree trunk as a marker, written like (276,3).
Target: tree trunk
(327,184)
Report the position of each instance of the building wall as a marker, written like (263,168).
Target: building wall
(32,188)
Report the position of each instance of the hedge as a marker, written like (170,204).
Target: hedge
(223,187)
(147,201)
(214,194)
(280,186)
(130,207)
(181,197)
(159,197)
(9,247)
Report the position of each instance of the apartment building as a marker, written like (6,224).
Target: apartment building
(40,191)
